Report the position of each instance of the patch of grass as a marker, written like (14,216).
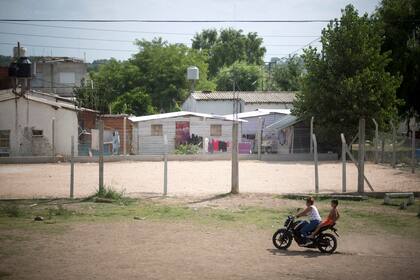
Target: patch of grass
(356,216)
(12,210)
(109,192)
(59,211)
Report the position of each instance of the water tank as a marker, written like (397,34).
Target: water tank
(23,68)
(22,51)
(192,73)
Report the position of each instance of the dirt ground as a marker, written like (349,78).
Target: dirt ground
(194,177)
(181,250)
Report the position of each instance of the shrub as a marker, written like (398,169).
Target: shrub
(13,210)
(109,193)
(187,149)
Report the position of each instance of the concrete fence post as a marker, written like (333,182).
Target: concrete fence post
(165,165)
(315,146)
(361,159)
(259,136)
(101,155)
(413,144)
(394,143)
(125,135)
(53,136)
(375,141)
(72,168)
(343,161)
(311,133)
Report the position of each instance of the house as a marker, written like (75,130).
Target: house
(58,75)
(37,124)
(221,102)
(290,134)
(250,128)
(215,132)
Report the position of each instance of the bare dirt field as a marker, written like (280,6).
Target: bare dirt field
(181,250)
(194,177)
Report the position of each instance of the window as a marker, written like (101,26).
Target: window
(4,138)
(37,132)
(67,77)
(216,130)
(157,130)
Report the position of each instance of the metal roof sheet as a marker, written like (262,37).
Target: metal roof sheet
(42,97)
(175,115)
(259,113)
(248,96)
(284,122)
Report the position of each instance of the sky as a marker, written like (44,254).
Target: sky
(280,39)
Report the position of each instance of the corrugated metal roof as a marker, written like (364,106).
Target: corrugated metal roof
(52,59)
(42,97)
(175,115)
(248,96)
(259,113)
(284,122)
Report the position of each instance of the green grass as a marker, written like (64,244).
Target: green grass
(109,192)
(369,216)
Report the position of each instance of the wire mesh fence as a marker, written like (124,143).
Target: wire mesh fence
(389,148)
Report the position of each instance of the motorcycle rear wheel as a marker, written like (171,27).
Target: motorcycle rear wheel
(282,239)
(327,243)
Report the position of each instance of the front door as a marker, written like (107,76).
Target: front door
(182,132)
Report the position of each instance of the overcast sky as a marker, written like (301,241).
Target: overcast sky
(277,46)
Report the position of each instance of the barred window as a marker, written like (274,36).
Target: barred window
(216,130)
(4,138)
(157,130)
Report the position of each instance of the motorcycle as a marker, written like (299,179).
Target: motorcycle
(325,242)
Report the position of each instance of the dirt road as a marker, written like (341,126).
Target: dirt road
(154,250)
(193,177)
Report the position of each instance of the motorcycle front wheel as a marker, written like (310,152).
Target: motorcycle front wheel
(282,239)
(327,243)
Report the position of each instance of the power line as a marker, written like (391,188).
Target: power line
(98,29)
(115,40)
(143,32)
(64,37)
(173,20)
(74,48)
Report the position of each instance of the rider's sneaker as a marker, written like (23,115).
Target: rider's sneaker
(306,243)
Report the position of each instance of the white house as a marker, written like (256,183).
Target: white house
(36,124)
(221,102)
(181,127)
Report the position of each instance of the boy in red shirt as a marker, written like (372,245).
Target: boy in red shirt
(333,216)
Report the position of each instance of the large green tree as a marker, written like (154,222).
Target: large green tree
(134,102)
(401,23)
(347,80)
(246,77)
(287,75)
(112,79)
(162,72)
(228,46)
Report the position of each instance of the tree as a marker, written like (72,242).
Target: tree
(400,20)
(162,71)
(228,46)
(114,78)
(287,75)
(246,77)
(134,102)
(348,79)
